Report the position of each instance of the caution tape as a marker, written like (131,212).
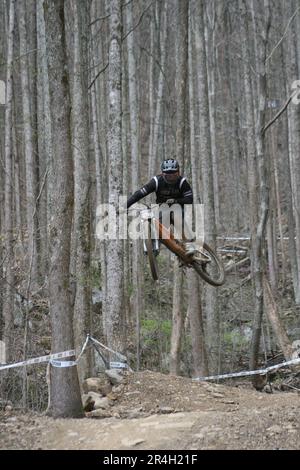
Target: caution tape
(121,356)
(53,358)
(83,347)
(122,364)
(118,365)
(39,360)
(55,363)
(247,373)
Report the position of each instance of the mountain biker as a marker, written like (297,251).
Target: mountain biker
(170,188)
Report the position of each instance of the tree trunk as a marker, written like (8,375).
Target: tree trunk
(31,180)
(151,100)
(114,303)
(99,159)
(210,33)
(271,224)
(159,99)
(8,301)
(294,150)
(39,177)
(65,399)
(137,274)
(287,176)
(278,205)
(44,135)
(80,137)
(276,323)
(263,176)
(211,306)
(193,146)
(177,320)
(181,84)
(200,361)
(100,162)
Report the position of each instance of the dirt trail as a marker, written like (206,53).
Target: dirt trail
(157,411)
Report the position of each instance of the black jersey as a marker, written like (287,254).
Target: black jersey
(181,191)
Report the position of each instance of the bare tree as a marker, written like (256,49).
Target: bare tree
(80,138)
(156,120)
(135,167)
(200,360)
(294,146)
(177,320)
(8,301)
(263,169)
(200,363)
(181,89)
(114,294)
(65,399)
(44,135)
(99,147)
(30,166)
(211,309)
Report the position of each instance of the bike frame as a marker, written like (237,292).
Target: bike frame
(167,238)
(165,235)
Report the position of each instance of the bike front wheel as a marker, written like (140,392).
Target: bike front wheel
(211,271)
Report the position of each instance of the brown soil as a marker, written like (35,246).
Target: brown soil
(156,411)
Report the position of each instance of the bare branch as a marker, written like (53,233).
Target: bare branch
(139,21)
(20,56)
(99,19)
(234,266)
(126,4)
(284,34)
(99,73)
(279,112)
(41,190)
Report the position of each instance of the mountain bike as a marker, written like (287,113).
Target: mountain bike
(205,261)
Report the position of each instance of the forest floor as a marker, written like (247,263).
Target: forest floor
(163,412)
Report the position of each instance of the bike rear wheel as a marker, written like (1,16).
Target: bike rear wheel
(213,271)
(151,256)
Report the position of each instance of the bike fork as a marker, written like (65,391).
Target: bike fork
(154,238)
